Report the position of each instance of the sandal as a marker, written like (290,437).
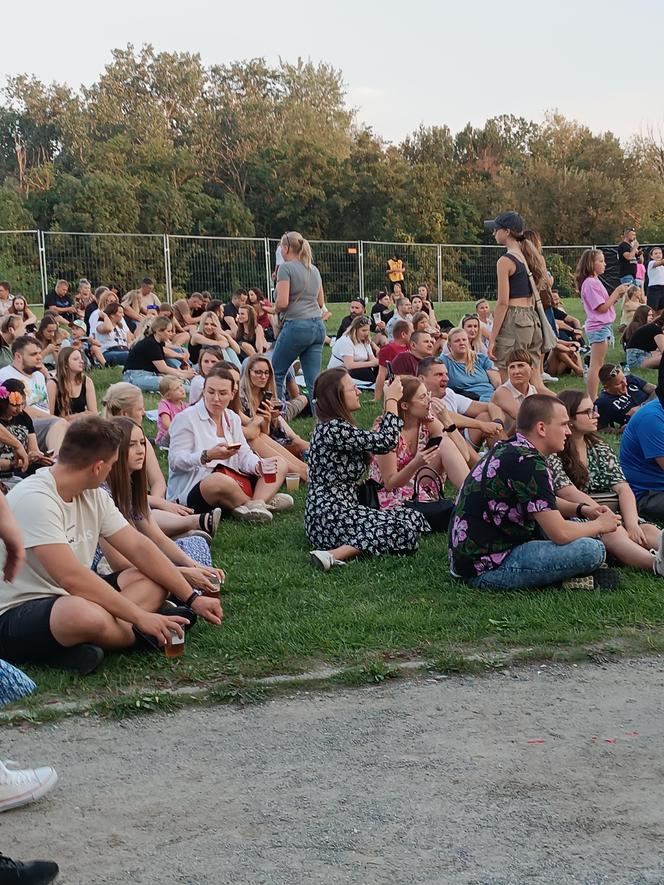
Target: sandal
(209,522)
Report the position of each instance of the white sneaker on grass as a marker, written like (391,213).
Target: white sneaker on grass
(547,377)
(323,560)
(280,502)
(658,561)
(19,786)
(249,512)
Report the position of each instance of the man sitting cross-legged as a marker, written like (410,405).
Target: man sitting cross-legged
(507,505)
(57,611)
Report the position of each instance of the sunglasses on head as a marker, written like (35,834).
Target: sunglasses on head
(469,316)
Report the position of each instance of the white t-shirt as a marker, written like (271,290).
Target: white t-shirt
(116,338)
(35,388)
(518,396)
(44,518)
(343,346)
(655,274)
(456,402)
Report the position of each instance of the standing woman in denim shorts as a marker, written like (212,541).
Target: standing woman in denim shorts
(600,312)
(516,324)
(298,304)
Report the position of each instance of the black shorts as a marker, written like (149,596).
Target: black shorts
(197,502)
(25,630)
(655,297)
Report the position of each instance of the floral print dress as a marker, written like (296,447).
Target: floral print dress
(332,515)
(389,498)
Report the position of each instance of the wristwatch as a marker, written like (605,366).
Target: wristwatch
(194,596)
(204,456)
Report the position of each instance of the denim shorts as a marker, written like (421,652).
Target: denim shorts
(635,357)
(604,333)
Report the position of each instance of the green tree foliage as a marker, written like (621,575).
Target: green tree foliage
(162,143)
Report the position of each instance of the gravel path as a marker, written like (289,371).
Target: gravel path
(423,781)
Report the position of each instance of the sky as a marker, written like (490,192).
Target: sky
(404,63)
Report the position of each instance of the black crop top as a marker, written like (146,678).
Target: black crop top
(519,282)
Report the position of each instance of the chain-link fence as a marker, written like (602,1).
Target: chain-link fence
(33,260)
(106,258)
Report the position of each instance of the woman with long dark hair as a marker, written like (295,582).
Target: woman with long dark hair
(516,323)
(335,522)
(46,335)
(643,339)
(588,467)
(71,393)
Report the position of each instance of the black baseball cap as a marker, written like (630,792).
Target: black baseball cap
(510,220)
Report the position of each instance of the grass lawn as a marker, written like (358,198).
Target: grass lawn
(281,616)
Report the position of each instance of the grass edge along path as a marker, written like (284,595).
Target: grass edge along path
(282,617)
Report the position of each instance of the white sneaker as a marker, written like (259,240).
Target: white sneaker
(658,561)
(323,560)
(21,786)
(280,502)
(248,513)
(547,377)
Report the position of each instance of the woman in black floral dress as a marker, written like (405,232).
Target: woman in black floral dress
(335,522)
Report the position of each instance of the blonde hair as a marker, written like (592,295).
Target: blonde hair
(471,354)
(300,247)
(133,299)
(208,315)
(355,325)
(107,298)
(250,395)
(168,383)
(119,398)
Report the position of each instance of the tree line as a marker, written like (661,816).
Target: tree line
(162,143)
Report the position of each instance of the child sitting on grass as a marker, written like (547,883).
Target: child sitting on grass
(171,404)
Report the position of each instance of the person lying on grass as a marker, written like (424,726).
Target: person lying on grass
(127,485)
(57,612)
(587,467)
(507,502)
(335,522)
(423,442)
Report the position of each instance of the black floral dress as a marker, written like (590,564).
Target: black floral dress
(333,515)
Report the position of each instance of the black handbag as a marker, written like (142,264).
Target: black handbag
(367,494)
(437,512)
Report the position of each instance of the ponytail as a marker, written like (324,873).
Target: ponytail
(300,247)
(533,258)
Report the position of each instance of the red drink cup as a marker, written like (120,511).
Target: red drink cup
(269,466)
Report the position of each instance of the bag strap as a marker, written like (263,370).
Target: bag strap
(417,478)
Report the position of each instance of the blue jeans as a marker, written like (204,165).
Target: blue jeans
(303,339)
(542,563)
(115,357)
(145,380)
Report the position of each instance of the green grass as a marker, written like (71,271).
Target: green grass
(281,616)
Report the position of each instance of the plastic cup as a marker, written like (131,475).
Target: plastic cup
(269,466)
(292,482)
(174,648)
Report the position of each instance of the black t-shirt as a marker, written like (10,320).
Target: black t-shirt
(644,338)
(626,267)
(612,408)
(144,354)
(230,310)
(559,314)
(21,427)
(55,300)
(89,310)
(385,313)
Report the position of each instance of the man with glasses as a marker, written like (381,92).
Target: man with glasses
(621,397)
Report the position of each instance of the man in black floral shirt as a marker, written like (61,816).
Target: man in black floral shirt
(507,505)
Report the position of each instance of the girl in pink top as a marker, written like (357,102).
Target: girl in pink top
(172,403)
(600,312)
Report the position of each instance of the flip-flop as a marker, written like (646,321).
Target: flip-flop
(209,522)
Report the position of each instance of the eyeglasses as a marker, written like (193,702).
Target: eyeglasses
(589,413)
(265,372)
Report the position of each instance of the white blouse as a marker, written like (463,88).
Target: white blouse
(193,430)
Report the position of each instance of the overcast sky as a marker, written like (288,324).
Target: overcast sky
(425,61)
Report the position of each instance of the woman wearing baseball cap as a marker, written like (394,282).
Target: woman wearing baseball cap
(516,324)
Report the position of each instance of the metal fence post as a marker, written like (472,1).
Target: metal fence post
(268,269)
(42,264)
(360,259)
(167,269)
(439,272)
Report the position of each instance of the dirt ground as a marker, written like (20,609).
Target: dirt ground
(543,775)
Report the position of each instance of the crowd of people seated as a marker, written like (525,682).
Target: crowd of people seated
(119,550)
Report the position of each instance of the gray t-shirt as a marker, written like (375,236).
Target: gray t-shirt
(304,288)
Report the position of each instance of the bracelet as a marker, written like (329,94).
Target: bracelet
(204,457)
(391,399)
(578,508)
(451,429)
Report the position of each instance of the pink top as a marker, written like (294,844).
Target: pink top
(640,272)
(166,407)
(593,294)
(396,497)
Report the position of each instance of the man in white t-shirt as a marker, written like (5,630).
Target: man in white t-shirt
(26,366)
(58,611)
(481,421)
